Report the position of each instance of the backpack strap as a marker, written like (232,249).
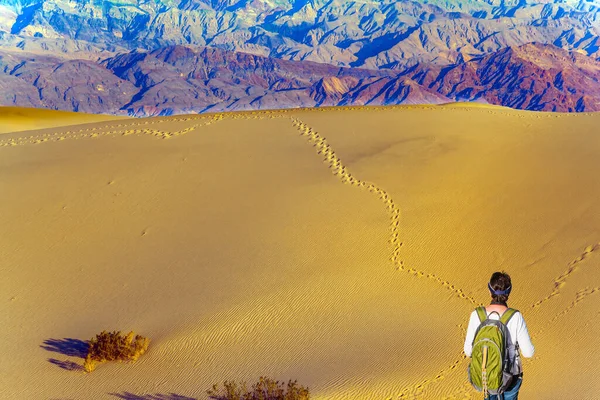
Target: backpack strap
(481,314)
(508,314)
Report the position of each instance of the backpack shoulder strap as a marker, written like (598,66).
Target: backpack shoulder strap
(481,314)
(508,314)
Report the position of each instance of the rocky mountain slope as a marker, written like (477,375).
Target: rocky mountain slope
(532,77)
(182,79)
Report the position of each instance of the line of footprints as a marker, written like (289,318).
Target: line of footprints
(341,171)
(571,267)
(123,129)
(560,282)
(413,392)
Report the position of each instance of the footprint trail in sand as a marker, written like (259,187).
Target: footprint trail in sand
(571,268)
(341,171)
(123,129)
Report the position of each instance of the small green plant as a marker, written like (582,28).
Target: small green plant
(264,389)
(114,346)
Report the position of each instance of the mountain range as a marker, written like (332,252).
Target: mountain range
(150,57)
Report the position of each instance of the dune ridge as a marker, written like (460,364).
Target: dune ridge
(17,119)
(95,131)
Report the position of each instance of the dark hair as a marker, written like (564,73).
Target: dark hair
(500,281)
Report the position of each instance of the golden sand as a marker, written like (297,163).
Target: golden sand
(16,119)
(342,247)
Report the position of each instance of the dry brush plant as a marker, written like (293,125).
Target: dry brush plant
(264,389)
(114,346)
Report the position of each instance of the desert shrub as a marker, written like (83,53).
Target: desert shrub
(114,346)
(264,389)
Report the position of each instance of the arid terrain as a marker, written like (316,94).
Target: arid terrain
(147,58)
(344,248)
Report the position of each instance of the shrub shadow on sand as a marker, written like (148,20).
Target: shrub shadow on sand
(67,346)
(170,396)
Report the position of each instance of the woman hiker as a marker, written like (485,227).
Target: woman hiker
(517,337)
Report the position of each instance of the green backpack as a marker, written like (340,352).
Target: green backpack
(490,369)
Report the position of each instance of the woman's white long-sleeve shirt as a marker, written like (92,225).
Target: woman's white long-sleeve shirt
(517,333)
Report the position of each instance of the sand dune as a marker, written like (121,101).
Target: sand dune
(341,247)
(16,119)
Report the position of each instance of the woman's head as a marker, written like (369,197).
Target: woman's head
(500,287)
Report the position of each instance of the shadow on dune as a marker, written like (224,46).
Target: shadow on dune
(68,365)
(131,396)
(67,346)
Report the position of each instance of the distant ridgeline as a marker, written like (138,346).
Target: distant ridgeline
(156,57)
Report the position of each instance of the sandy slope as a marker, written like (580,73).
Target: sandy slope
(15,119)
(344,248)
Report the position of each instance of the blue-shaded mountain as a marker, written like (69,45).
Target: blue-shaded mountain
(368,33)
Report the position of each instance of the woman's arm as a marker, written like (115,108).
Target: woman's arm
(523,338)
(471,329)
